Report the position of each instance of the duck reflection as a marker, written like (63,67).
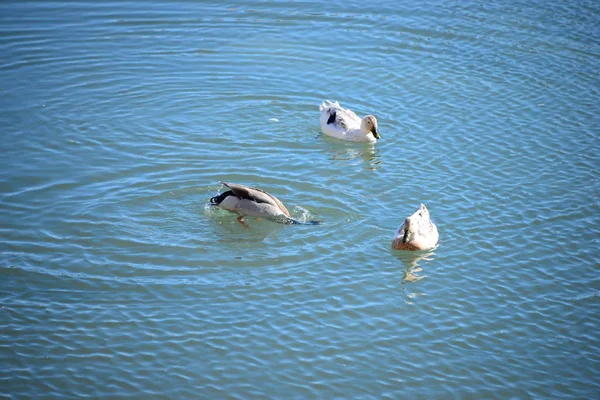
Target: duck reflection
(352,154)
(412,261)
(228,229)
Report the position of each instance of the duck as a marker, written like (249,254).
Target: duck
(417,232)
(344,124)
(253,202)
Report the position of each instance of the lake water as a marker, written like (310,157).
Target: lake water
(119,121)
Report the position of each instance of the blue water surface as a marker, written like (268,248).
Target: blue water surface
(120,120)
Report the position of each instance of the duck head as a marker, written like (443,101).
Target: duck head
(369,125)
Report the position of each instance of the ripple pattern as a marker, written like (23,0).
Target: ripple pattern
(121,120)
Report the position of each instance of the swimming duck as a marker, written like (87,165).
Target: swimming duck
(341,123)
(417,232)
(248,201)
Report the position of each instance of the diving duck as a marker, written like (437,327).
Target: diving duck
(344,124)
(252,202)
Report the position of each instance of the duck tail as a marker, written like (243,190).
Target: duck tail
(329,105)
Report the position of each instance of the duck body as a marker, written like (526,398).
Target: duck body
(417,232)
(252,202)
(344,124)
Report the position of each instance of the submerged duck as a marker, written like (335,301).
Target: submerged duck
(248,201)
(417,232)
(341,123)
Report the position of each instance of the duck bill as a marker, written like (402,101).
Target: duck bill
(375,133)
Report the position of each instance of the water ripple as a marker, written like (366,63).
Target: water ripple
(120,122)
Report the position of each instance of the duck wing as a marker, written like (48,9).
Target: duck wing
(345,119)
(256,195)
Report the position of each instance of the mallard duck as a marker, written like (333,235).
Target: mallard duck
(248,201)
(341,123)
(417,232)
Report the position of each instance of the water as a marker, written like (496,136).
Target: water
(120,120)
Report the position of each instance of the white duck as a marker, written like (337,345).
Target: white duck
(417,232)
(248,201)
(341,123)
